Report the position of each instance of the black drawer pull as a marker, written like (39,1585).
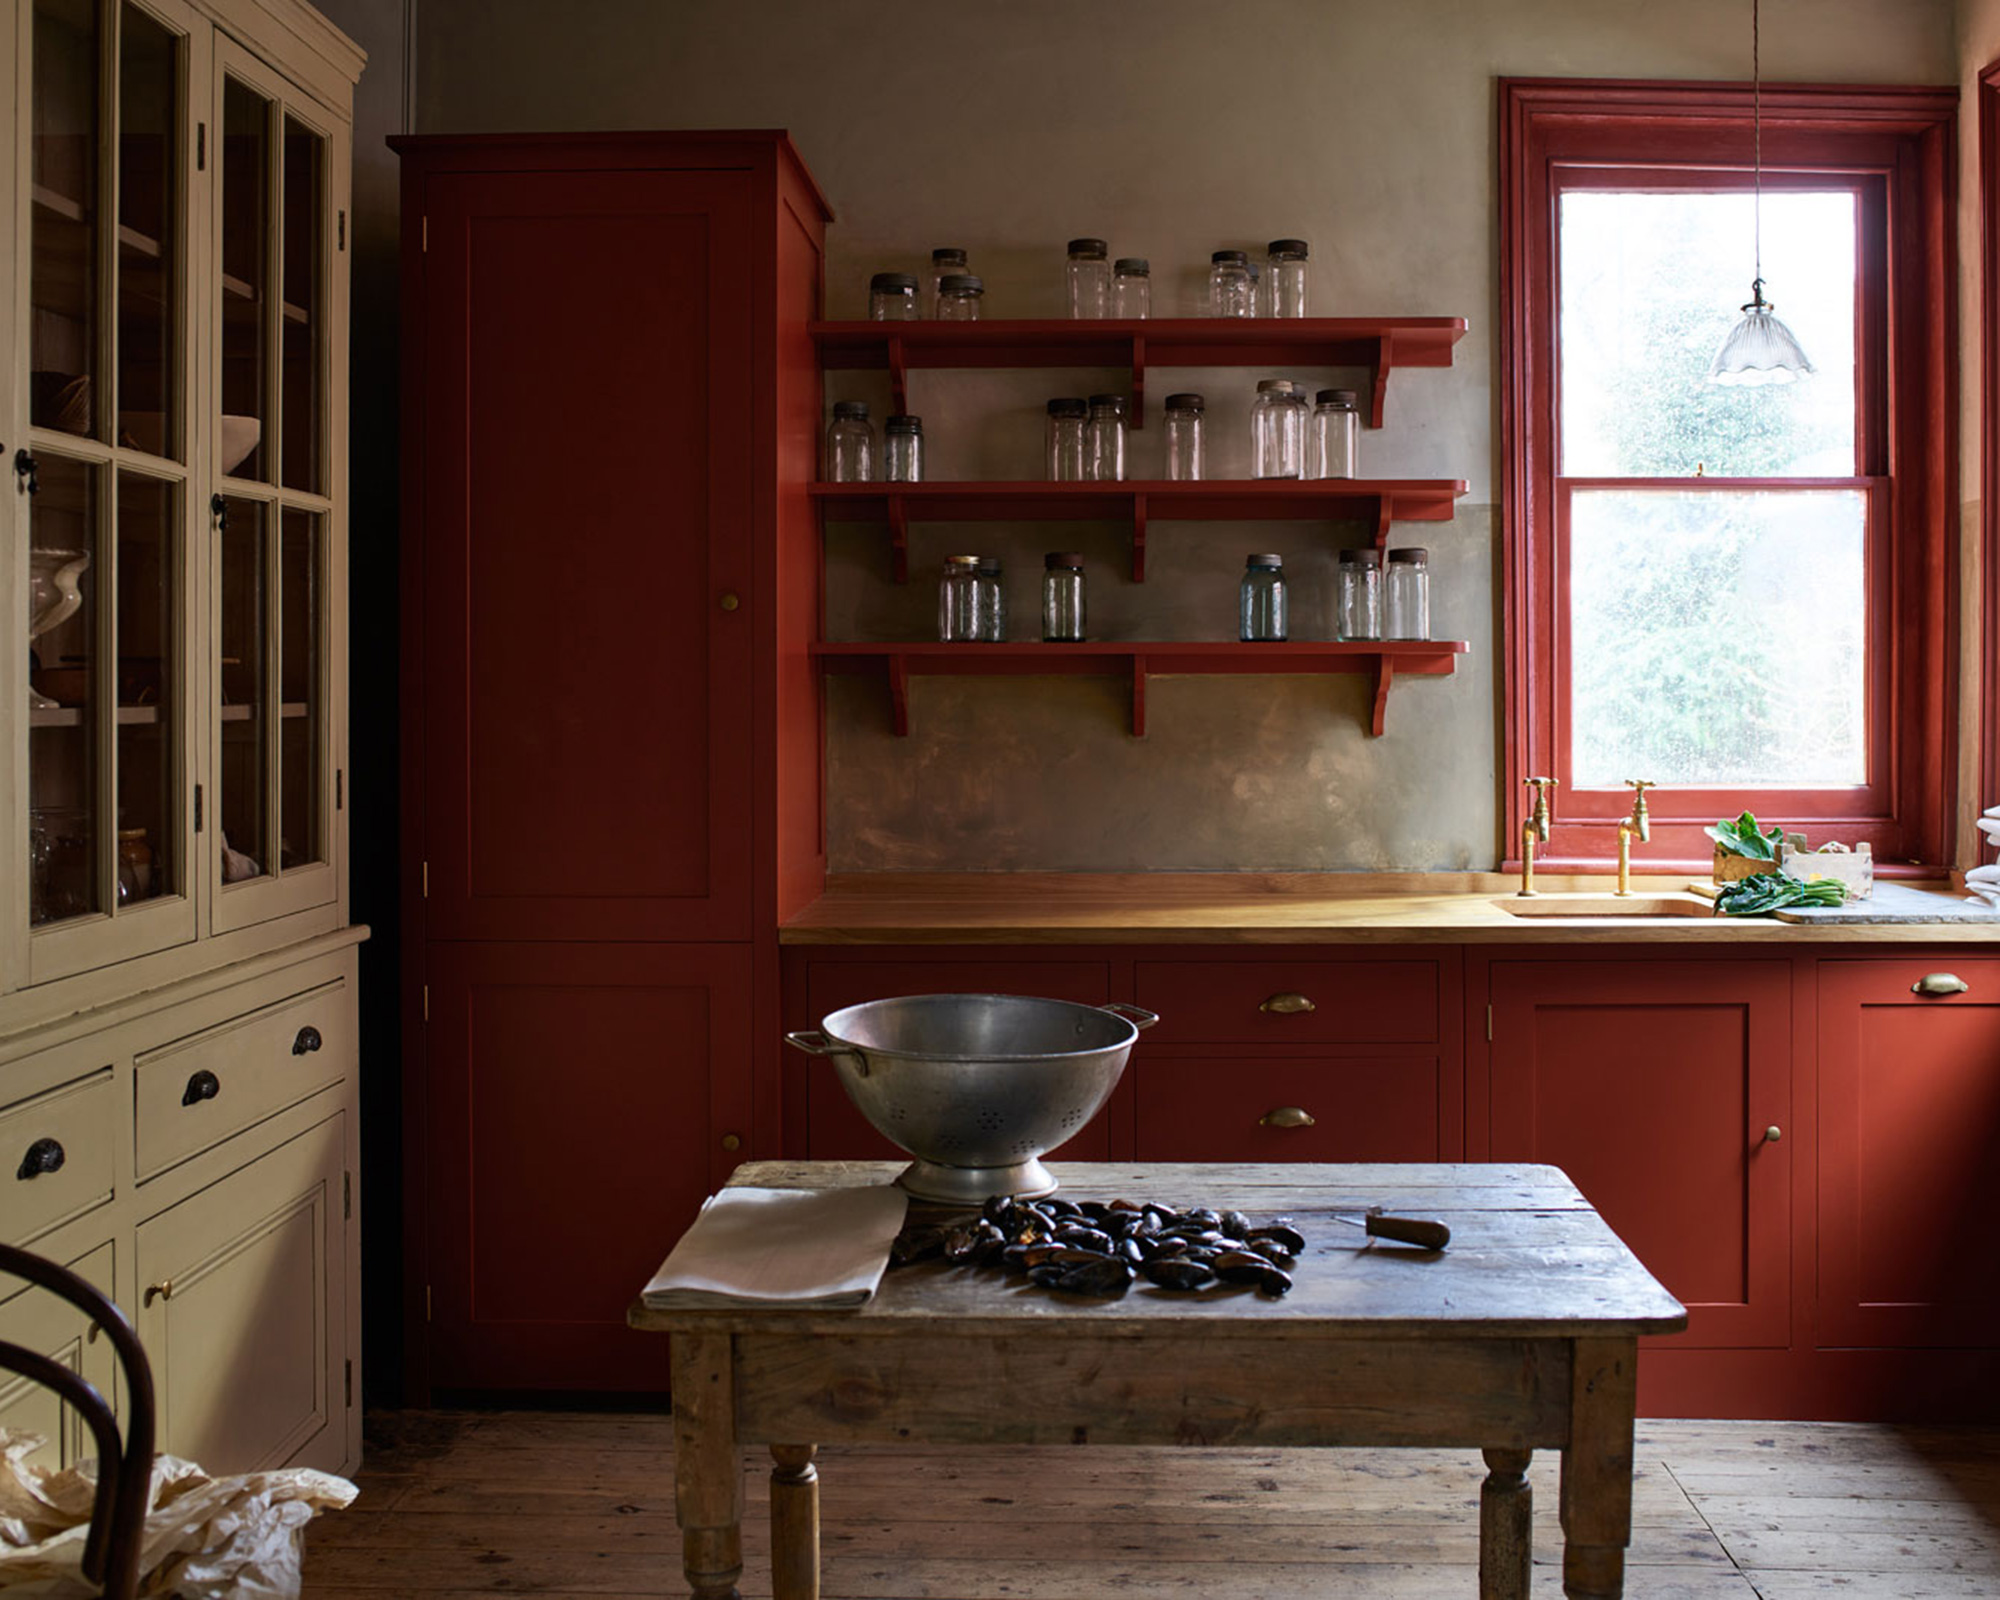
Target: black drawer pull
(44,1155)
(307,1042)
(204,1085)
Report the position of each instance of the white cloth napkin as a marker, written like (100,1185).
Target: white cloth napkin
(781,1247)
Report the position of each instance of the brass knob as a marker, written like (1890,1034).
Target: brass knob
(160,1291)
(731,1141)
(1940,983)
(1287,1117)
(1773,1134)
(1288,1005)
(729,600)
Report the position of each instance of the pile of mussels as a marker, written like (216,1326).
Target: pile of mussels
(1089,1247)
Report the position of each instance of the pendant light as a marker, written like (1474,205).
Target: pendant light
(1760,349)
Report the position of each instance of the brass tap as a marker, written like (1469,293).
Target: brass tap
(1535,827)
(1641,823)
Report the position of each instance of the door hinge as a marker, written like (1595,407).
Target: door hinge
(1489,1024)
(340,230)
(197,808)
(427,880)
(426,241)
(427,1302)
(427,1002)
(201,147)
(347,1196)
(339,787)
(350,1384)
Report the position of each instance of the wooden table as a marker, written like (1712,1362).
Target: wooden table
(1521,1337)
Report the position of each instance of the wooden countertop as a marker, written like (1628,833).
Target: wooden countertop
(1282,908)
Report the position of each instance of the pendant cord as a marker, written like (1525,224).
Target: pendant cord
(1757,152)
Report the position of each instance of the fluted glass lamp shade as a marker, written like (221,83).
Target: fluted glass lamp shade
(1760,349)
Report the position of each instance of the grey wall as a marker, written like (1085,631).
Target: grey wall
(1171,129)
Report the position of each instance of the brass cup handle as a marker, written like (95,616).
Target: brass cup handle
(732,1141)
(1773,1134)
(159,1291)
(1940,983)
(729,600)
(1287,1117)
(1287,1005)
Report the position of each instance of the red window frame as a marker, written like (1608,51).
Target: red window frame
(1895,148)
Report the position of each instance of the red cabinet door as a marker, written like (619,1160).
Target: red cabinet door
(1909,1154)
(576,1096)
(1652,1084)
(583,500)
(1235,1108)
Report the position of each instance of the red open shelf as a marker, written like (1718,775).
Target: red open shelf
(1379,500)
(1380,344)
(1140,660)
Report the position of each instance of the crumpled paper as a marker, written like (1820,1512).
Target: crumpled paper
(235,1538)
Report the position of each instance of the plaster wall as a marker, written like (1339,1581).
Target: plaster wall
(1170,129)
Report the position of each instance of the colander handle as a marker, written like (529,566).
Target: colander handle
(816,1042)
(1138,1016)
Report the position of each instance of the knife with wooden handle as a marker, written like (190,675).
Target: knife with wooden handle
(1428,1234)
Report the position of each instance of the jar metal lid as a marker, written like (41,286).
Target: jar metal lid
(989,564)
(1117,400)
(904,424)
(962,561)
(1278,386)
(1185,402)
(1089,249)
(1132,266)
(1414,555)
(1061,558)
(948,254)
(1361,558)
(1337,397)
(1270,560)
(892,283)
(961,283)
(850,411)
(1286,247)
(1231,258)
(1069,408)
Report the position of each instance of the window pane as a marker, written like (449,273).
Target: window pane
(1718,638)
(1650,287)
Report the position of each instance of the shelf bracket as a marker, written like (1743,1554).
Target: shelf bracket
(1385,513)
(1385,362)
(1137,420)
(1385,675)
(899,377)
(899,696)
(1138,697)
(899,537)
(1138,538)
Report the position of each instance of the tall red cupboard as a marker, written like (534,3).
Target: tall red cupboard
(611,786)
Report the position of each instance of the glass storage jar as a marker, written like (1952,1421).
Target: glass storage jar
(1230,291)
(1089,275)
(1062,598)
(961,614)
(1065,440)
(1261,601)
(1104,439)
(992,601)
(1336,435)
(1132,288)
(903,449)
(1278,429)
(1184,443)
(850,444)
(892,297)
(1285,277)
(1406,599)
(943,263)
(959,294)
(1359,594)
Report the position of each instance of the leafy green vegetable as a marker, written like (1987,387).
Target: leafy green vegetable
(1768,891)
(1743,838)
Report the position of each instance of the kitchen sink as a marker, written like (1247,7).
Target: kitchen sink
(1607,905)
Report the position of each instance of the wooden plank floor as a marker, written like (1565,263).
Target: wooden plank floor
(489,1504)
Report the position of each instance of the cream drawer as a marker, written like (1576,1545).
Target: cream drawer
(195,1093)
(50,1326)
(55,1156)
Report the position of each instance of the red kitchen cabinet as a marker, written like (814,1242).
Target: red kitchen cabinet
(1908,1186)
(1233,1108)
(1653,1085)
(572,1090)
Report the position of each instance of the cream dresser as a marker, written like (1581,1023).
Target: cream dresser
(178,1107)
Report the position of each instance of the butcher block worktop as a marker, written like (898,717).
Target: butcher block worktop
(1292,908)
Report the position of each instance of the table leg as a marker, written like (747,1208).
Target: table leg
(1506,1526)
(1597,1467)
(708,1477)
(794,1523)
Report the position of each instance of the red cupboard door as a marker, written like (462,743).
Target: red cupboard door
(1652,1084)
(585,510)
(577,1097)
(1909,1154)
(835,1131)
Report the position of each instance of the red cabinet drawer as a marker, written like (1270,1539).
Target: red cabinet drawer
(1362,1108)
(1353,1002)
(835,984)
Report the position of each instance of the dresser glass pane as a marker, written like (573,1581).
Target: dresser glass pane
(64,673)
(246,178)
(149,201)
(148,568)
(305,202)
(243,629)
(301,713)
(63,219)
